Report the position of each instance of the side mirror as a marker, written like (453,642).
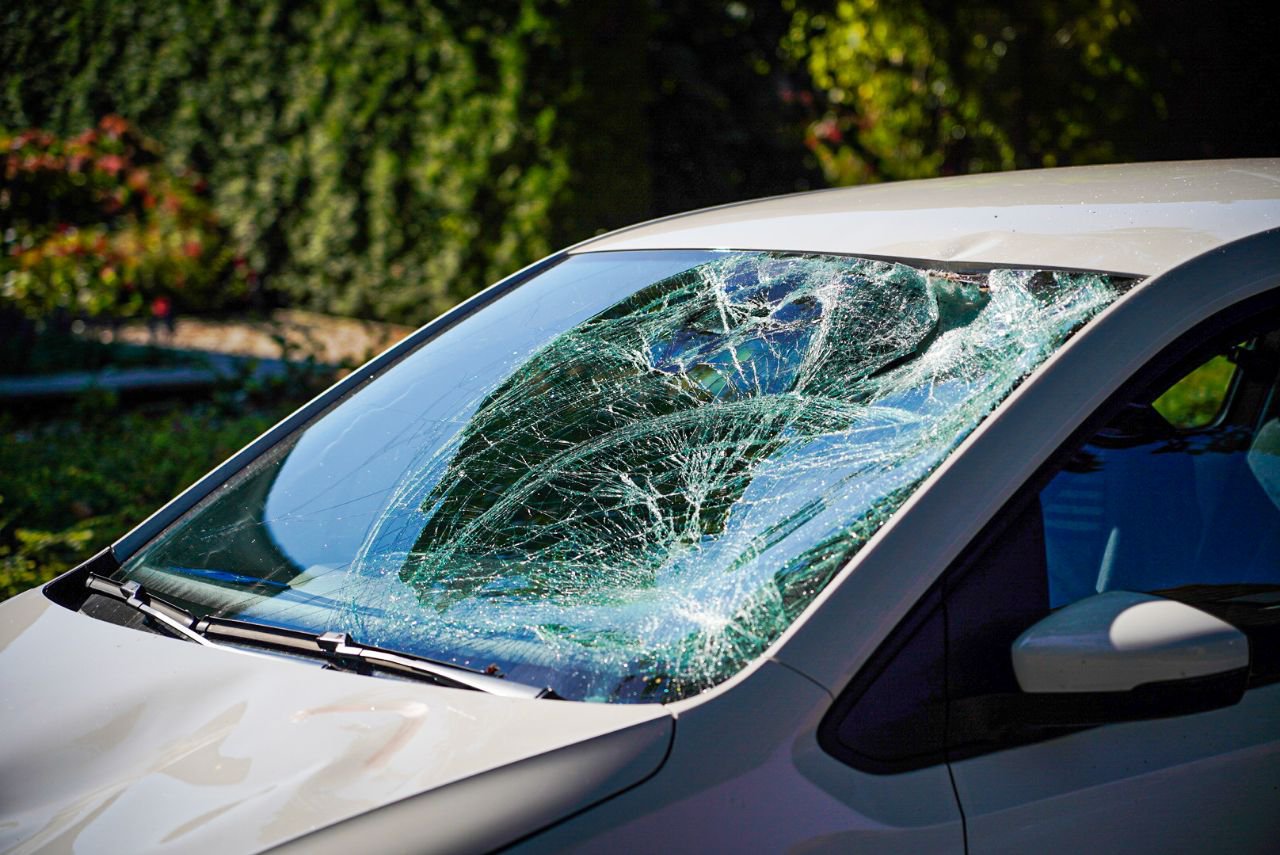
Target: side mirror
(1121,656)
(1117,641)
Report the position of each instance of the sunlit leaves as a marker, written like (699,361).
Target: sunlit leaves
(921,88)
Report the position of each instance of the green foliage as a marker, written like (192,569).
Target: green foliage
(386,158)
(71,484)
(722,127)
(376,158)
(1195,400)
(98,225)
(920,88)
(34,557)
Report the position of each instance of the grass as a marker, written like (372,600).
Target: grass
(72,482)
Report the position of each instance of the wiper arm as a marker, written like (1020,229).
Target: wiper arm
(174,619)
(336,647)
(341,648)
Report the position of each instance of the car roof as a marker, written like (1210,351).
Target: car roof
(1136,219)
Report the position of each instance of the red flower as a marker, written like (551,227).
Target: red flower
(828,130)
(113,125)
(111,163)
(137,179)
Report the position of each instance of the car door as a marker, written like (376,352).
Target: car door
(1177,494)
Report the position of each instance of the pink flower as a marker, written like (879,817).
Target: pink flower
(110,163)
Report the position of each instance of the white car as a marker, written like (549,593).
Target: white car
(939,516)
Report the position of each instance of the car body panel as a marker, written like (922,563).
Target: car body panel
(746,774)
(1195,783)
(177,747)
(191,749)
(499,807)
(1134,218)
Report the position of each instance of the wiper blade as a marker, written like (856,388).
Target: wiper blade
(336,647)
(341,648)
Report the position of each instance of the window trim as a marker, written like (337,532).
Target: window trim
(931,604)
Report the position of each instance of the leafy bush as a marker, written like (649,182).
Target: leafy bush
(97,225)
(376,158)
(386,158)
(1195,400)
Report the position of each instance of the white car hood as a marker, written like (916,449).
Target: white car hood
(119,740)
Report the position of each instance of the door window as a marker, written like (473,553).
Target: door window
(1178,495)
(1197,400)
(1183,490)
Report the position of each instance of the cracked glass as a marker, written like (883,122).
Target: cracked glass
(626,477)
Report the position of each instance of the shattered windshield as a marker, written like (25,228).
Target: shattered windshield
(627,476)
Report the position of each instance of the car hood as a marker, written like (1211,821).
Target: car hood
(120,739)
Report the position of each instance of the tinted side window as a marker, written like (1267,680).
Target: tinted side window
(1179,495)
(1198,399)
(1149,506)
(892,717)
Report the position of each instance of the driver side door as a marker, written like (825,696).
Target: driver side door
(1177,495)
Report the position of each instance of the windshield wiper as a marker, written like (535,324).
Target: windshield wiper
(338,648)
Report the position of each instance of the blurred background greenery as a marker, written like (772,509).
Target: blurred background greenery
(386,158)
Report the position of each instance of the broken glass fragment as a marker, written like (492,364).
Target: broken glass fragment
(633,500)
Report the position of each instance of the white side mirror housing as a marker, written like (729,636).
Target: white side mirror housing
(1118,640)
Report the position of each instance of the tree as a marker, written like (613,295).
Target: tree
(919,88)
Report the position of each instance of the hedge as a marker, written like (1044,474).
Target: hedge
(373,157)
